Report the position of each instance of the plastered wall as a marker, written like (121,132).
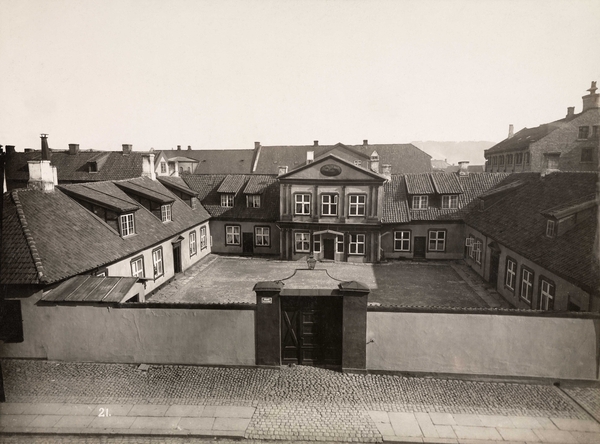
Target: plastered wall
(495,345)
(135,335)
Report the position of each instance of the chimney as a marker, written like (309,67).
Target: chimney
(73,149)
(310,156)
(463,167)
(592,99)
(256,145)
(570,111)
(282,170)
(42,175)
(316,143)
(148,166)
(127,149)
(386,170)
(375,162)
(511,130)
(178,147)
(10,149)
(365,142)
(189,147)
(46,154)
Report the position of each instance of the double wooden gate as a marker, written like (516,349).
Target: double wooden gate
(311,330)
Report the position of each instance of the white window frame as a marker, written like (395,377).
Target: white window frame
(420,202)
(253,200)
(550,228)
(193,243)
(547,292)
(339,243)
(127,224)
(449,201)
(227,200)
(302,238)
(434,236)
(302,201)
(264,234)
(165,213)
(329,202)
(316,243)
(203,244)
(163,167)
(356,245)
(157,262)
(477,251)
(231,233)
(511,274)
(357,163)
(404,238)
(526,292)
(356,203)
(137,267)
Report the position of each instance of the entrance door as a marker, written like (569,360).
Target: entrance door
(177,257)
(329,249)
(248,243)
(420,245)
(494,263)
(311,330)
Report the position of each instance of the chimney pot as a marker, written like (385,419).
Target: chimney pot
(10,149)
(178,147)
(592,100)
(463,169)
(316,143)
(45,149)
(570,111)
(148,166)
(73,148)
(127,148)
(282,170)
(511,131)
(386,170)
(189,147)
(365,142)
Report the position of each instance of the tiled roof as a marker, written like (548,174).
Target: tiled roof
(470,169)
(217,161)
(233,183)
(418,184)
(268,211)
(395,201)
(516,221)
(404,158)
(176,183)
(91,289)
(101,197)
(71,240)
(571,207)
(258,183)
(149,193)
(522,139)
(446,183)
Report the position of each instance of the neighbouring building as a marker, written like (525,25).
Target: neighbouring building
(179,162)
(534,238)
(567,144)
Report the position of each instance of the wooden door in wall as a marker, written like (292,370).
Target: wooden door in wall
(329,249)
(177,257)
(494,263)
(311,331)
(420,247)
(247,243)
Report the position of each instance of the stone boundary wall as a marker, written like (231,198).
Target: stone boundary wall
(486,342)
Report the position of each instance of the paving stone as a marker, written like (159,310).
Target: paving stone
(427,428)
(77,409)
(112,422)
(385,428)
(441,440)
(555,436)
(45,421)
(547,423)
(495,421)
(445,431)
(586,438)
(475,432)
(377,416)
(442,418)
(185,410)
(12,408)
(512,434)
(148,410)
(196,423)
(43,409)
(576,425)
(209,410)
(74,421)
(405,424)
(16,420)
(112,410)
(525,422)
(467,420)
(153,422)
(234,412)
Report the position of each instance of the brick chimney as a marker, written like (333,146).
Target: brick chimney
(178,147)
(511,130)
(316,143)
(282,170)
(463,168)
(386,170)
(189,147)
(375,162)
(256,145)
(10,149)
(73,149)
(365,142)
(42,175)
(592,100)
(46,154)
(148,166)
(127,148)
(570,111)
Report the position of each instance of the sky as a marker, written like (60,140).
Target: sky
(224,74)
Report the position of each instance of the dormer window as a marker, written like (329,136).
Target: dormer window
(165,213)
(584,132)
(93,167)
(163,167)
(253,201)
(420,202)
(127,224)
(550,228)
(227,200)
(450,201)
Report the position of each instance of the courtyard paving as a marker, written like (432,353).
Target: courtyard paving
(222,279)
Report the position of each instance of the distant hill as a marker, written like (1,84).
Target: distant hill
(454,152)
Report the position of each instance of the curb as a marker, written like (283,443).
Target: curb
(7,430)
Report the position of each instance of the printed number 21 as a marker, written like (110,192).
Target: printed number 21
(103,413)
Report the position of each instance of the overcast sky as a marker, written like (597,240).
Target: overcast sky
(223,74)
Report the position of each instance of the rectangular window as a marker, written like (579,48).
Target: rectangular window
(547,290)
(526,284)
(527,158)
(137,267)
(494,160)
(339,244)
(227,200)
(157,262)
(595,131)
(357,163)
(511,273)
(584,132)
(232,235)
(550,227)
(302,242)
(437,241)
(163,168)
(501,160)
(329,204)
(262,237)
(203,243)
(127,225)
(302,204)
(357,205)
(419,202)
(165,213)
(587,154)
(253,201)
(317,243)
(518,158)
(401,240)
(357,244)
(450,202)
(509,159)
(193,244)
(477,251)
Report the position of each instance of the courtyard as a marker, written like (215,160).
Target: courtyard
(224,279)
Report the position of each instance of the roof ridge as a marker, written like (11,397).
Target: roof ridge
(85,185)
(37,260)
(146,188)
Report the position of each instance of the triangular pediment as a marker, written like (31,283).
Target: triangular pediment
(332,168)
